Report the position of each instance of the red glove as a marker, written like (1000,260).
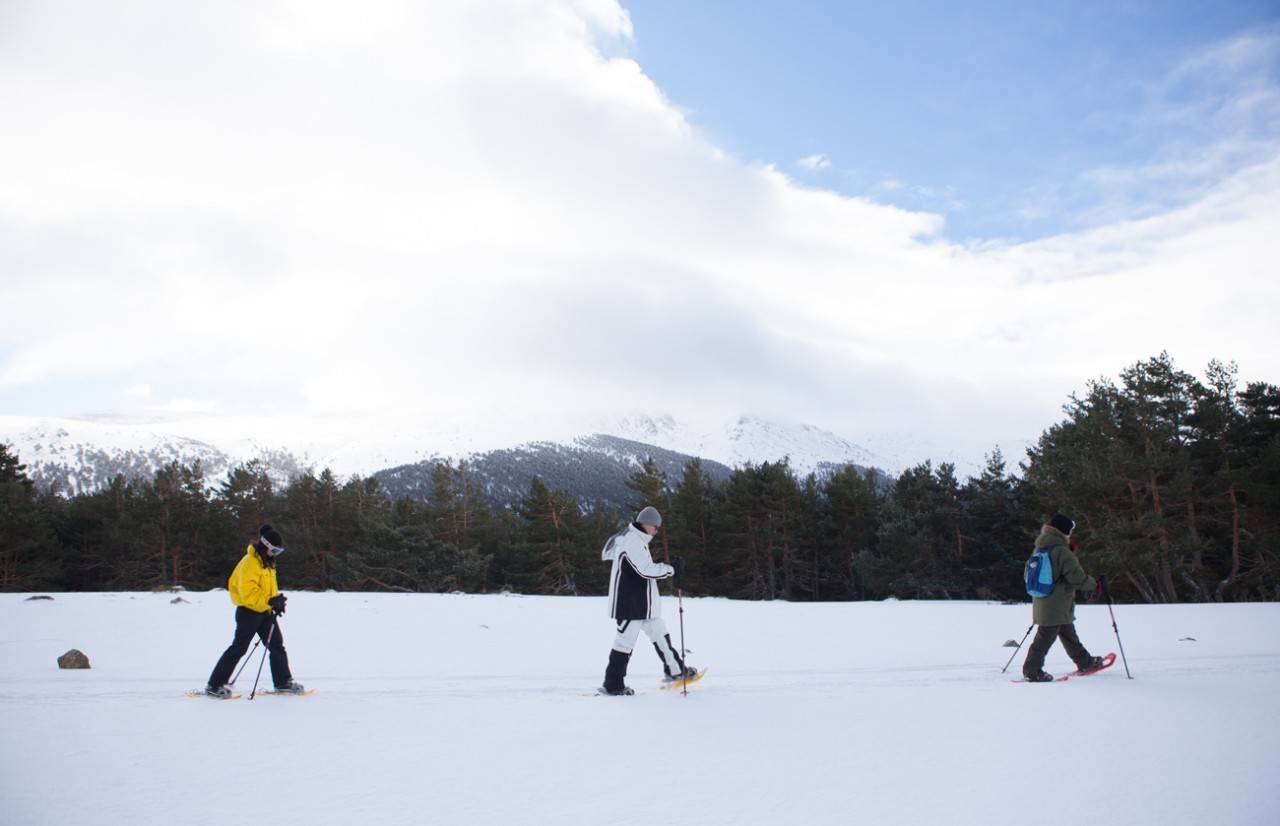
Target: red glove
(1071,543)
(1098,588)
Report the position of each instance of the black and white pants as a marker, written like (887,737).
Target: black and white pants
(656,631)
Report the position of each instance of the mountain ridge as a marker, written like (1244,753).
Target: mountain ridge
(70,456)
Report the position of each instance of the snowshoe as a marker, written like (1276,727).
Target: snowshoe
(291,687)
(1096,665)
(683,682)
(221,692)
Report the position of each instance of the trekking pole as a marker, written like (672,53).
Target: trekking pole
(684,677)
(256,642)
(270,631)
(1107,593)
(1019,648)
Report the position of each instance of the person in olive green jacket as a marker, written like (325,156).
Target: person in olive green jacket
(1056,614)
(258,602)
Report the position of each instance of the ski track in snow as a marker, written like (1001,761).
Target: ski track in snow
(480,709)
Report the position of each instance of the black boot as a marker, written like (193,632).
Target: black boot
(615,675)
(1092,664)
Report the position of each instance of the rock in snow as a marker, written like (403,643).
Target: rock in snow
(75,658)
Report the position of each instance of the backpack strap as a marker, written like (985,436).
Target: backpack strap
(1048,550)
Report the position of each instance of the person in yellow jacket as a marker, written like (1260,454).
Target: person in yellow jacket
(258,602)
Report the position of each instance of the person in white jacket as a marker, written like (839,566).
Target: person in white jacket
(634,603)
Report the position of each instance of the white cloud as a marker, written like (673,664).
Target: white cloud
(1214,113)
(814,162)
(451,209)
(185,406)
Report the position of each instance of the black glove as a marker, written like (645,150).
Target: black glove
(678,565)
(277,604)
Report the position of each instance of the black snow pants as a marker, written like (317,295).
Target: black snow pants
(249,623)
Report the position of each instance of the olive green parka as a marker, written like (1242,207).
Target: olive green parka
(1059,608)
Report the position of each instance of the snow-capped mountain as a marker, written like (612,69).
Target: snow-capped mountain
(750,439)
(593,470)
(73,456)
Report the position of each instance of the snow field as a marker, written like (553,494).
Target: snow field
(479,710)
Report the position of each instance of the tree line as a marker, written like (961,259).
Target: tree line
(1174,483)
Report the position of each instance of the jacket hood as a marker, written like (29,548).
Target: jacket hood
(629,534)
(646,538)
(1049,535)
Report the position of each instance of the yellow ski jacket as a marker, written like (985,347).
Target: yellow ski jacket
(252,583)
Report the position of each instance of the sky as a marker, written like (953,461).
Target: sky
(1014,120)
(913,224)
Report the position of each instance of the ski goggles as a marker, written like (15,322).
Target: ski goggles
(274,550)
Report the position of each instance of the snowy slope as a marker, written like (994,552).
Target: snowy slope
(751,439)
(75,456)
(476,709)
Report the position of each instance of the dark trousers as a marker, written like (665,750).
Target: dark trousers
(249,623)
(1045,637)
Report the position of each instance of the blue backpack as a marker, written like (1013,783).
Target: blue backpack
(1040,574)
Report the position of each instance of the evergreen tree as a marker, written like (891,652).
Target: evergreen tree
(459,510)
(175,519)
(29,554)
(248,495)
(999,538)
(98,531)
(553,539)
(852,520)
(310,508)
(650,486)
(919,542)
(761,556)
(694,526)
(1260,472)
(372,553)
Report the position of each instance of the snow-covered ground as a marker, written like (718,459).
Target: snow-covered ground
(478,709)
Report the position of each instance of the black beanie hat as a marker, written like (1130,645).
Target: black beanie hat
(271,536)
(1063,523)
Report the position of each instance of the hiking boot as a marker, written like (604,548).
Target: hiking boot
(689,673)
(1042,677)
(222,692)
(1093,665)
(617,692)
(616,673)
(291,687)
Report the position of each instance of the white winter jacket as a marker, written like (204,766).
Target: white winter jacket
(633,581)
